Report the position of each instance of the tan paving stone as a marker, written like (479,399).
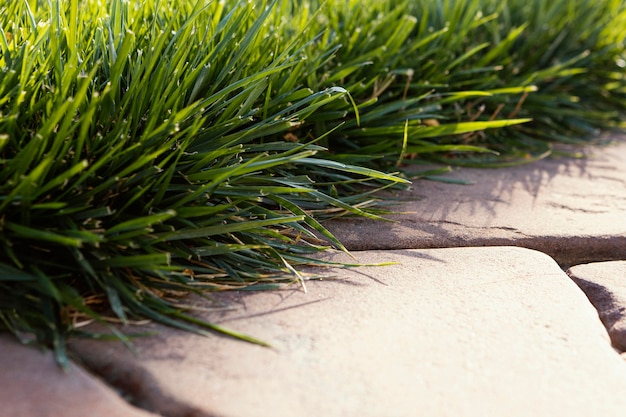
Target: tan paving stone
(33,385)
(572,209)
(605,285)
(445,332)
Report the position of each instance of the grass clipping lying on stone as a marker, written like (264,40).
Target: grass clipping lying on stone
(150,149)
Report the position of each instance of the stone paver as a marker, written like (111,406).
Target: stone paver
(33,385)
(498,331)
(573,210)
(605,285)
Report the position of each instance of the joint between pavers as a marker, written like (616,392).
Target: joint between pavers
(137,386)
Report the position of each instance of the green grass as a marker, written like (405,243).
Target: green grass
(149,149)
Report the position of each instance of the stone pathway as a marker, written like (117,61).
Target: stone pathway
(453,328)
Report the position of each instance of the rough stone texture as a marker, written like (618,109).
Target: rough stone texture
(605,285)
(572,209)
(33,385)
(457,332)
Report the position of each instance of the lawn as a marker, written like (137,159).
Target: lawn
(151,149)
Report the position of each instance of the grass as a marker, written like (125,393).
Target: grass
(150,149)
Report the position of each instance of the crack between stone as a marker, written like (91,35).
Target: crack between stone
(137,387)
(465,226)
(565,250)
(577,210)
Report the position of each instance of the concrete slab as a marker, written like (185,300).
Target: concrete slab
(605,285)
(33,385)
(496,331)
(572,209)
